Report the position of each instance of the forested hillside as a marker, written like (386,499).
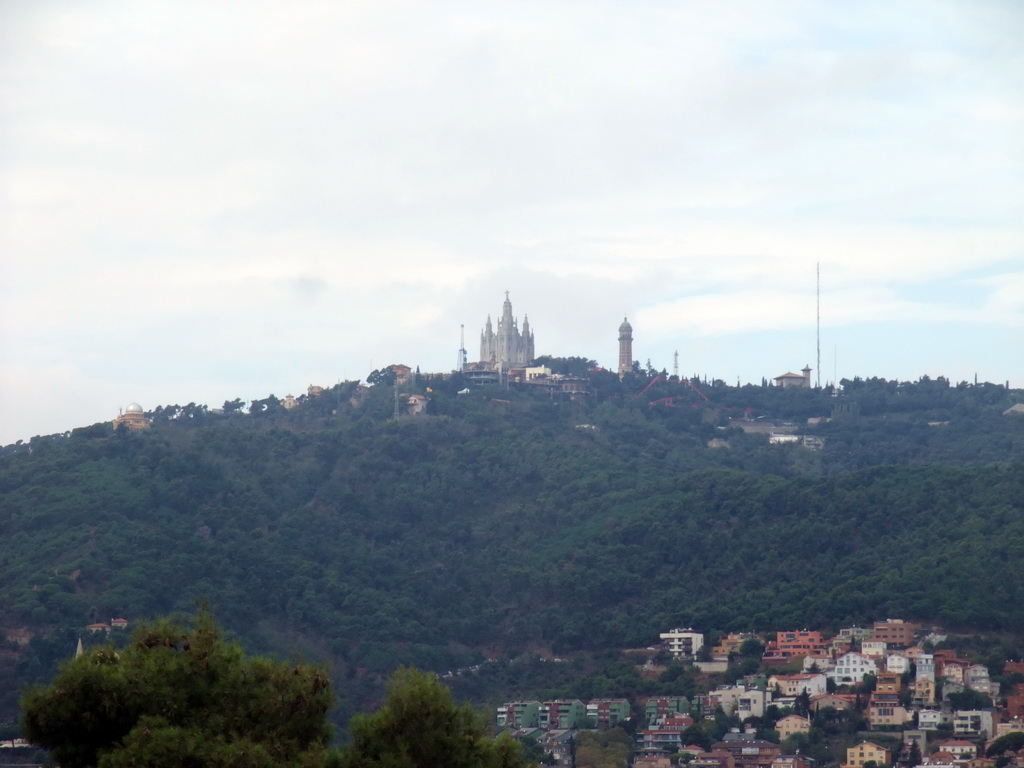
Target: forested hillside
(504,521)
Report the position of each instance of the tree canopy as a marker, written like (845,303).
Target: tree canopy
(420,726)
(180,695)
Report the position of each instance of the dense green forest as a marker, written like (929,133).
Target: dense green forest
(506,521)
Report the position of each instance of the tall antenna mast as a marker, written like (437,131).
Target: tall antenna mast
(460,365)
(675,365)
(818,303)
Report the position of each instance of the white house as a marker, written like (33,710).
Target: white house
(814,683)
(898,663)
(930,719)
(973,722)
(683,643)
(851,668)
(751,704)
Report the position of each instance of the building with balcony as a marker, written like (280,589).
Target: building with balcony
(607,713)
(657,708)
(562,713)
(788,645)
(683,643)
(851,667)
(885,709)
(895,632)
(974,723)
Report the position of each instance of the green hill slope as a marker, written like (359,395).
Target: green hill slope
(513,522)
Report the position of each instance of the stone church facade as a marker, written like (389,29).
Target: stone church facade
(506,346)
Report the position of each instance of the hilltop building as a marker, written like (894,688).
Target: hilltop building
(800,380)
(506,347)
(133,419)
(625,347)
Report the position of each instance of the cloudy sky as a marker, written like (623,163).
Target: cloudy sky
(205,199)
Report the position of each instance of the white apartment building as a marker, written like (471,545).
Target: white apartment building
(683,643)
(898,663)
(973,722)
(851,667)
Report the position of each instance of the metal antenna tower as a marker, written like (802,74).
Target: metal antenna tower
(818,304)
(460,365)
(675,365)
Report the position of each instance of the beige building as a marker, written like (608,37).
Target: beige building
(867,752)
(800,380)
(792,724)
(794,685)
(885,708)
(924,692)
(133,419)
(873,649)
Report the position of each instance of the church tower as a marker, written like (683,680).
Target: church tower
(625,348)
(505,346)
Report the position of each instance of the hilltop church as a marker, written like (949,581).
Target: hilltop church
(506,347)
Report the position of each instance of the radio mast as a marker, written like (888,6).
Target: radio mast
(818,304)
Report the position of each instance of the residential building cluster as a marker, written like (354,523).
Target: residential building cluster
(890,674)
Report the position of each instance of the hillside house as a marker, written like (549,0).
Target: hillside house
(924,693)
(885,708)
(960,748)
(942,759)
(814,683)
(519,714)
(752,703)
(792,724)
(667,735)
(974,723)
(793,761)
(895,632)
(731,643)
(718,758)
(838,701)
(607,713)
(788,645)
(657,708)
(683,643)
(897,662)
(851,667)
(748,752)
(727,697)
(931,719)
(874,649)
(562,713)
(867,752)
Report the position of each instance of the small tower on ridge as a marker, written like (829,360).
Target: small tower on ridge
(625,348)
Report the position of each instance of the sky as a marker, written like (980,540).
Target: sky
(207,199)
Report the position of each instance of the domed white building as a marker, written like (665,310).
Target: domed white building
(133,418)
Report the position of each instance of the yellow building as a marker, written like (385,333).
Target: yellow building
(792,724)
(731,643)
(133,419)
(924,692)
(867,752)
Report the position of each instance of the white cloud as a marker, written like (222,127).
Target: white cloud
(333,184)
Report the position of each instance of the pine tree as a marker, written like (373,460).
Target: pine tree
(180,695)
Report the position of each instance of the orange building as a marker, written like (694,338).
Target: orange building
(788,645)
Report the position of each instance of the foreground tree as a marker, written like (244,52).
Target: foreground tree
(180,695)
(420,726)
